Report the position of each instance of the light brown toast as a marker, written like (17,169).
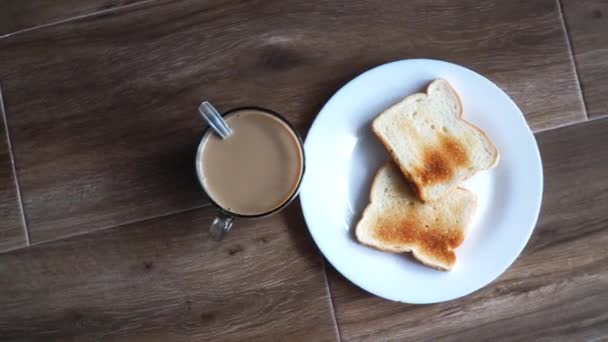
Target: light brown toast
(433,146)
(396,221)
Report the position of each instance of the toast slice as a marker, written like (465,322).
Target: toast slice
(396,221)
(433,146)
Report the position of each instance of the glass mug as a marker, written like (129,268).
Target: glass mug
(253,173)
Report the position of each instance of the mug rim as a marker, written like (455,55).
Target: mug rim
(300,142)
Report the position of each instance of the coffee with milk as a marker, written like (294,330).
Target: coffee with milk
(257,168)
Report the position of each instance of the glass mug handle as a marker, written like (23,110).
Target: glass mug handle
(221,225)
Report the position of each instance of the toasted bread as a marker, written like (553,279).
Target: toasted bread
(430,142)
(396,221)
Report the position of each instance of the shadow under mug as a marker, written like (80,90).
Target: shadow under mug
(224,221)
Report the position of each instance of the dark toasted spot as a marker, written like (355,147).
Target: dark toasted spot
(441,162)
(148,265)
(436,167)
(439,241)
(454,150)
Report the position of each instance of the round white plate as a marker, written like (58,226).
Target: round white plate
(342,156)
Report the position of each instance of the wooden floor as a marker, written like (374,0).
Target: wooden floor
(103,232)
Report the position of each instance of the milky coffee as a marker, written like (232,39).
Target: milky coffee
(257,168)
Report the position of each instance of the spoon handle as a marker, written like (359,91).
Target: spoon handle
(214,119)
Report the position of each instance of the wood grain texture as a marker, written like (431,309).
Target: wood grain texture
(12,229)
(165,280)
(587,23)
(103,109)
(557,290)
(16,15)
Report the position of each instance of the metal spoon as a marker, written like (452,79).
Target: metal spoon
(214,119)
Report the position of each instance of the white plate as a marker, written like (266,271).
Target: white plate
(342,155)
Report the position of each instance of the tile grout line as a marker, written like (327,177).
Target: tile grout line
(561,125)
(331,299)
(126,223)
(14,168)
(564,26)
(571,124)
(74,18)
(598,117)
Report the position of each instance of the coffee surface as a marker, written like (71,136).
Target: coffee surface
(257,168)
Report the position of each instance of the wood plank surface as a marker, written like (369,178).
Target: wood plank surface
(557,290)
(16,15)
(165,280)
(12,229)
(587,22)
(102,110)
